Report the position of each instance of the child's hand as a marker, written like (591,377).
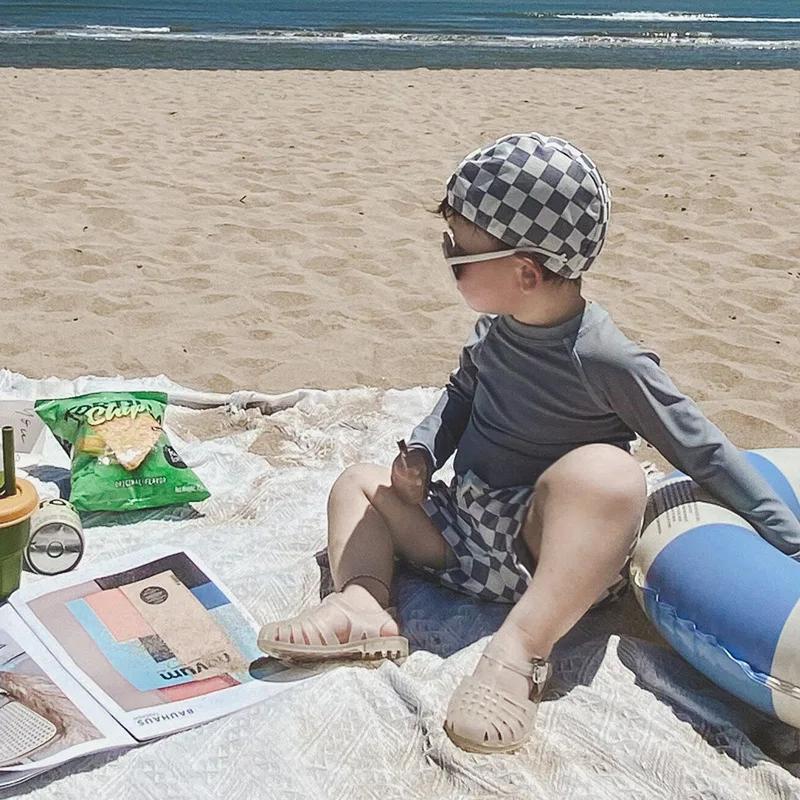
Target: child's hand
(410,474)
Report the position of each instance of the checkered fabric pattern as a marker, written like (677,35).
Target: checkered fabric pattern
(481,525)
(530,189)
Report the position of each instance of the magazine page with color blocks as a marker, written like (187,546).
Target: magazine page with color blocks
(157,639)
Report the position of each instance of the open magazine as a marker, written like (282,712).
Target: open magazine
(121,653)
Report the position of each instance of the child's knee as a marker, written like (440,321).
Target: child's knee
(361,478)
(601,474)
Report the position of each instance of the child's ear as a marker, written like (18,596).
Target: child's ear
(530,274)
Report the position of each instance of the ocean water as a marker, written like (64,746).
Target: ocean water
(397,34)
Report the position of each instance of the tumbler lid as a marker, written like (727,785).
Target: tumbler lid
(54,548)
(19,506)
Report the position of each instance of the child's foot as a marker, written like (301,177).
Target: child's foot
(494,709)
(335,629)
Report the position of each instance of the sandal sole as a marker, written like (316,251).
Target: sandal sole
(384,647)
(483,749)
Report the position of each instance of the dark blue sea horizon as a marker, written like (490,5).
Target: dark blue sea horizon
(400,34)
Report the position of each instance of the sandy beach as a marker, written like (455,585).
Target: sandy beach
(273,230)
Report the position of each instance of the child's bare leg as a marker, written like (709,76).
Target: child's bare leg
(367,525)
(584,517)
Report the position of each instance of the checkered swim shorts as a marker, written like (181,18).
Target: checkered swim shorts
(482,526)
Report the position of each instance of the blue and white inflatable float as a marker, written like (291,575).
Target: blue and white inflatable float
(723,597)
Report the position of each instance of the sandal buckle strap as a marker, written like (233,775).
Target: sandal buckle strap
(538,670)
(375,578)
(541,671)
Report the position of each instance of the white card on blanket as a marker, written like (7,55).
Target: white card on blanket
(28,426)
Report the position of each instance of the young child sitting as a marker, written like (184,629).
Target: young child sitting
(547,501)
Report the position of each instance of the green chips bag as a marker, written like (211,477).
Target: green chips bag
(121,459)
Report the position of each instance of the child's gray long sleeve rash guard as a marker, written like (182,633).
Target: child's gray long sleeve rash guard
(524,395)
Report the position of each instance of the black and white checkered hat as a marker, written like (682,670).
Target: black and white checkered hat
(530,189)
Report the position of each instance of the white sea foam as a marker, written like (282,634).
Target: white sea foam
(331,38)
(667,16)
(125,29)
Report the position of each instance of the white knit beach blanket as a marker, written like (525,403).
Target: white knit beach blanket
(626,716)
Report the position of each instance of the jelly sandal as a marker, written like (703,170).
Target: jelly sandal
(311,636)
(482,717)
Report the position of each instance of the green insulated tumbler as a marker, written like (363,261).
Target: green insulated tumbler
(18,501)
